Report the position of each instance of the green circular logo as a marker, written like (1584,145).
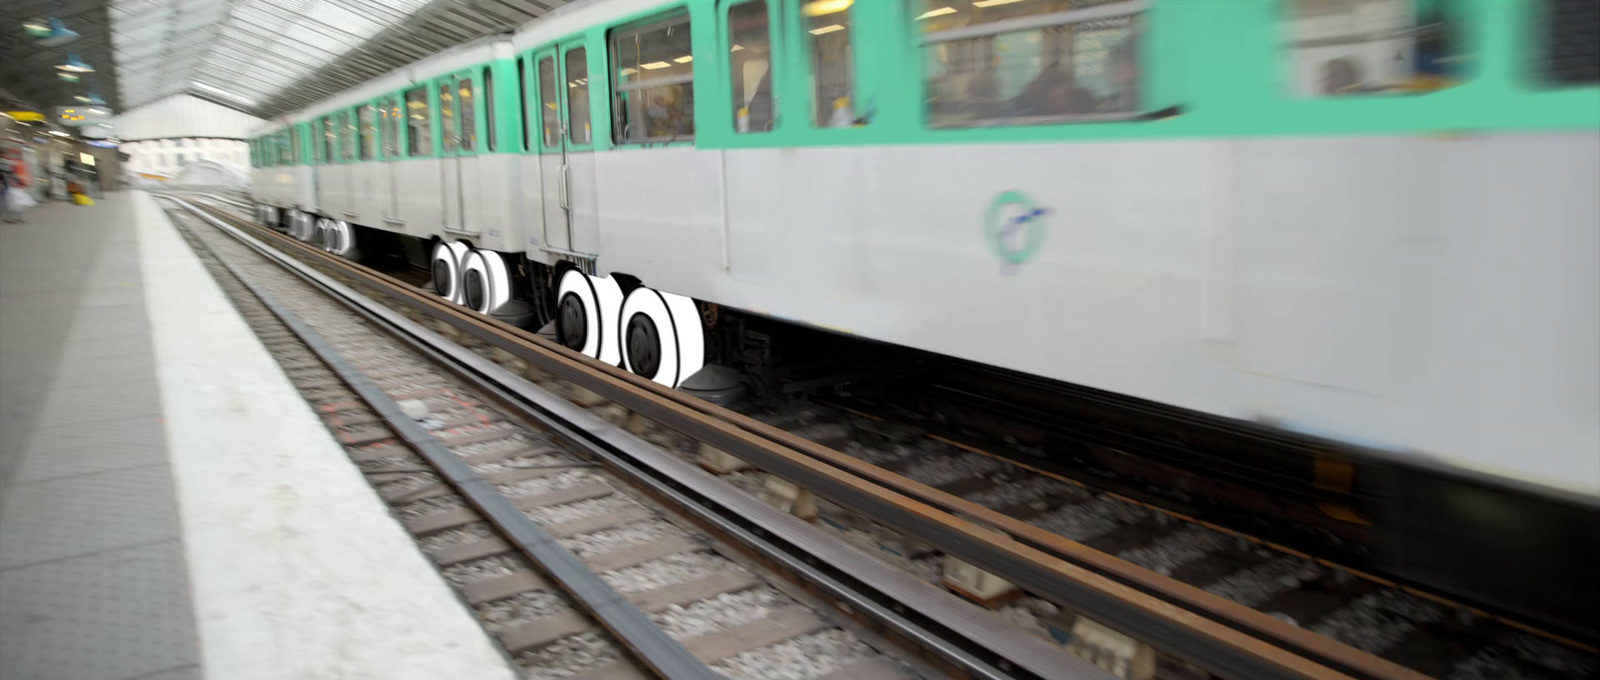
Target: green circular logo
(1014,226)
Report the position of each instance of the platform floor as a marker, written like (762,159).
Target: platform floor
(169,507)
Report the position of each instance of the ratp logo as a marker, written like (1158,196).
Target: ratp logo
(1015,226)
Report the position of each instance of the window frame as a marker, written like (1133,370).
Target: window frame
(523,92)
(566,49)
(542,146)
(457,80)
(486,81)
(776,61)
(1138,10)
(367,145)
(450,150)
(406,149)
(666,17)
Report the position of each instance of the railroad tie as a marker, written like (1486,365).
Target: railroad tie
(546,630)
(450,519)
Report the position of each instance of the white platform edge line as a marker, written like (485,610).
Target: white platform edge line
(297,569)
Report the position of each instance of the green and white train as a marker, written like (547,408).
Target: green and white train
(1376,221)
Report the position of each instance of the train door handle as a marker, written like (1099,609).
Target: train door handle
(561,181)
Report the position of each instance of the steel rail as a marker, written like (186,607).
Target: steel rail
(1217,634)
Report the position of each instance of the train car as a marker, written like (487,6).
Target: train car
(1369,220)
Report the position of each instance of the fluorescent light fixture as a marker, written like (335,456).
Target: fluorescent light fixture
(59,133)
(936,13)
(684,59)
(736,48)
(224,93)
(827,29)
(655,65)
(74,65)
(817,8)
(992,3)
(628,71)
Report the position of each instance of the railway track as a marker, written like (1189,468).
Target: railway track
(632,588)
(1088,564)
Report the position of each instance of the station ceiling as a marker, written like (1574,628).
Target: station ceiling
(263,57)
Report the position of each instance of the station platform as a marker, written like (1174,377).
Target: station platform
(170,508)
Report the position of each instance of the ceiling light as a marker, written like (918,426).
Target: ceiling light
(684,59)
(37,28)
(936,13)
(992,3)
(69,77)
(628,71)
(57,35)
(59,133)
(75,65)
(655,65)
(736,48)
(827,29)
(817,8)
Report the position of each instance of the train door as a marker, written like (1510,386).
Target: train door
(567,157)
(583,214)
(450,158)
(552,152)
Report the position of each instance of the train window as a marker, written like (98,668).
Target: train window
(578,96)
(369,129)
(488,107)
(549,111)
(469,115)
(750,58)
(391,128)
(1571,36)
(997,64)
(447,117)
(282,142)
(654,95)
(347,137)
(1354,47)
(294,144)
(827,22)
(327,139)
(522,97)
(419,133)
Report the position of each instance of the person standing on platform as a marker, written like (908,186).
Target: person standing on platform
(13,197)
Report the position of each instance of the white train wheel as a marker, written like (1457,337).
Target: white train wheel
(662,337)
(319,234)
(340,239)
(446,269)
(485,281)
(586,314)
(304,223)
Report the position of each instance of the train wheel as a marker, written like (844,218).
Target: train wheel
(302,224)
(446,269)
(485,281)
(586,313)
(340,239)
(662,337)
(319,235)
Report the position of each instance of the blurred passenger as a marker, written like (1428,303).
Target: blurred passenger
(1054,92)
(665,113)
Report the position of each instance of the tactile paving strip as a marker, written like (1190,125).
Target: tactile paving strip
(117,614)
